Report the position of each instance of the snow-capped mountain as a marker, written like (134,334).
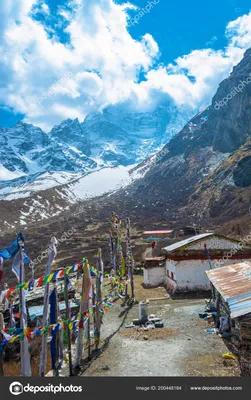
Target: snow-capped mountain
(110,138)
(27,150)
(122,137)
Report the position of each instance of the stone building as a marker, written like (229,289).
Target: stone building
(185,262)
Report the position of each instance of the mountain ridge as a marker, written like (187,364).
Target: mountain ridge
(201,176)
(101,140)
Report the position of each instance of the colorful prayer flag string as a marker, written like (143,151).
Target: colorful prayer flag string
(12,334)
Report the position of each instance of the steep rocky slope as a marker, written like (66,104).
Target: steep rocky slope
(202,176)
(207,162)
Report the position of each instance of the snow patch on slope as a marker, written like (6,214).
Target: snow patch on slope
(89,186)
(98,183)
(6,175)
(45,181)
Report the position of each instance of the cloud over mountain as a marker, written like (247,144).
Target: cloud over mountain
(79,58)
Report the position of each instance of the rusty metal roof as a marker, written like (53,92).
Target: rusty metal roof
(233,282)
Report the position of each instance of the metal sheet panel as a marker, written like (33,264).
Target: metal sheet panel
(186,242)
(233,282)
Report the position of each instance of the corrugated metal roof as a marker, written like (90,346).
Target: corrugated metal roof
(186,242)
(156,232)
(233,282)
(38,310)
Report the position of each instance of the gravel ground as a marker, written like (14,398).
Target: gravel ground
(188,351)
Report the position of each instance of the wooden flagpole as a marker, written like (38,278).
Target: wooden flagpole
(98,317)
(21,247)
(116,227)
(129,256)
(121,268)
(83,309)
(25,356)
(51,257)
(67,325)
(79,343)
(89,337)
(88,324)
(57,335)
(1,338)
(112,255)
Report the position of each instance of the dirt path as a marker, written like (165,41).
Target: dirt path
(187,350)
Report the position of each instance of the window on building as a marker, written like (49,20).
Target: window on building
(172,276)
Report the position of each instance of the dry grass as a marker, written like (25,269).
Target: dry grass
(157,333)
(142,294)
(12,366)
(211,365)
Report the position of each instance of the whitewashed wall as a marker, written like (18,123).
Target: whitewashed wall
(155,276)
(190,274)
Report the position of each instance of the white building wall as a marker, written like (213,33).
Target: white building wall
(155,276)
(190,275)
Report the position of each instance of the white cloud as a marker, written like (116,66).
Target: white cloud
(106,61)
(211,41)
(45,9)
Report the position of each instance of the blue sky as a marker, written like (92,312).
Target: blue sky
(182,26)
(64,59)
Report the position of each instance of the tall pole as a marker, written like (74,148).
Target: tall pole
(116,228)
(1,338)
(84,307)
(21,244)
(129,256)
(208,255)
(98,316)
(24,350)
(54,339)
(67,324)
(89,337)
(132,277)
(51,257)
(112,251)
(57,335)
(79,344)
(88,287)
(32,269)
